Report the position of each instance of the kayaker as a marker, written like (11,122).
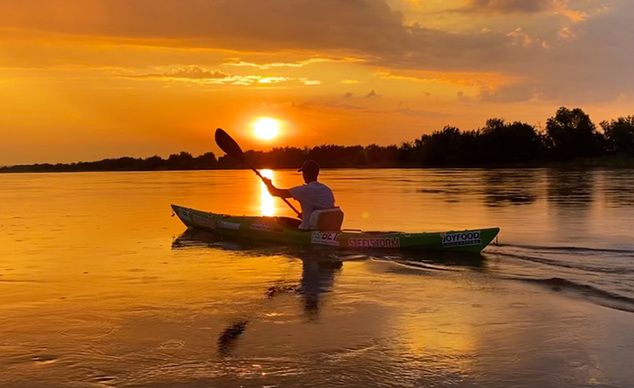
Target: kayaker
(312,195)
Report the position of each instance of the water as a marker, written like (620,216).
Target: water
(100,287)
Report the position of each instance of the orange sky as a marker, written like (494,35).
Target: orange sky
(85,80)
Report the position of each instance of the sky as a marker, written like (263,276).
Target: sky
(90,79)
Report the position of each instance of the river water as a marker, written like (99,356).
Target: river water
(99,286)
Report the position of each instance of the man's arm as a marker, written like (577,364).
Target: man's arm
(274,191)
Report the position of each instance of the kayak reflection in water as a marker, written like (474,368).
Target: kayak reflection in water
(318,277)
(312,196)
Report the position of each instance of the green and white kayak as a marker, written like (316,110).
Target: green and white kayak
(283,230)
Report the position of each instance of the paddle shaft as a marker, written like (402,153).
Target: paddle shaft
(231,147)
(262,177)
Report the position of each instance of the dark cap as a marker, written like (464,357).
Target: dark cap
(310,166)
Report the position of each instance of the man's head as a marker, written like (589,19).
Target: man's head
(310,171)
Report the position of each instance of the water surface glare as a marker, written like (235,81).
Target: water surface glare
(99,286)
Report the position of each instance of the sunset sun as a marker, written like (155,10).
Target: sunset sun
(266,128)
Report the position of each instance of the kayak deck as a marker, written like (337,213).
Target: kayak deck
(284,230)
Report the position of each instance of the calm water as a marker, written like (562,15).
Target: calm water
(100,287)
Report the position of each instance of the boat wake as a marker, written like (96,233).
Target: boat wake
(595,294)
(601,276)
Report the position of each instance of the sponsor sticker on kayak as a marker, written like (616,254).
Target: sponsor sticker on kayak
(325,238)
(375,242)
(459,239)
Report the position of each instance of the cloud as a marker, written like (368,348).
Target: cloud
(367,30)
(202,75)
(520,38)
(237,62)
(548,9)
(568,55)
(319,104)
(509,6)
(235,24)
(516,92)
(187,73)
(419,112)
(361,29)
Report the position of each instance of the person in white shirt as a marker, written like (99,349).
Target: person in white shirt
(312,195)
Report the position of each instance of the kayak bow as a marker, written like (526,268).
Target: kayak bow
(284,230)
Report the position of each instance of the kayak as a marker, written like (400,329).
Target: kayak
(284,230)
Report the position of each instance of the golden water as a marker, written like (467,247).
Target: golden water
(97,287)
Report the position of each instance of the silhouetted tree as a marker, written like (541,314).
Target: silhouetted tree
(335,156)
(619,135)
(502,142)
(408,154)
(205,161)
(382,156)
(441,148)
(181,161)
(153,163)
(571,134)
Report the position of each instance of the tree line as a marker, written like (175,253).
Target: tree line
(569,135)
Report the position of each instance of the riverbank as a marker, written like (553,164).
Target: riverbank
(110,165)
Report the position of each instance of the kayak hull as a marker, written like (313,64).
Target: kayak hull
(281,230)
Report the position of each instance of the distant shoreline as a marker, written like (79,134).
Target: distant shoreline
(617,161)
(570,140)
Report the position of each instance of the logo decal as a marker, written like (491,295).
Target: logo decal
(461,238)
(379,242)
(325,238)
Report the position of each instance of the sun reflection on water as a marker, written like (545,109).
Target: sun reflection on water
(267,202)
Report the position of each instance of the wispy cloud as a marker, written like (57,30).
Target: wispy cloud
(509,6)
(185,73)
(201,75)
(371,30)
(266,66)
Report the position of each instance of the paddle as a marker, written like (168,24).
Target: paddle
(232,148)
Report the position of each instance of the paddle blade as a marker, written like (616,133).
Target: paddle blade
(227,144)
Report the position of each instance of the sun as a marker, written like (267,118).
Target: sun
(266,128)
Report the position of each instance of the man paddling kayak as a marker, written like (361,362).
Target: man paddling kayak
(312,195)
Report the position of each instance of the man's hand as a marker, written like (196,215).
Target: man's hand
(274,191)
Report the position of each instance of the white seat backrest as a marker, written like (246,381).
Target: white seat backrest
(326,219)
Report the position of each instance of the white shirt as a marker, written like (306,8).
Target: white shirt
(312,196)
